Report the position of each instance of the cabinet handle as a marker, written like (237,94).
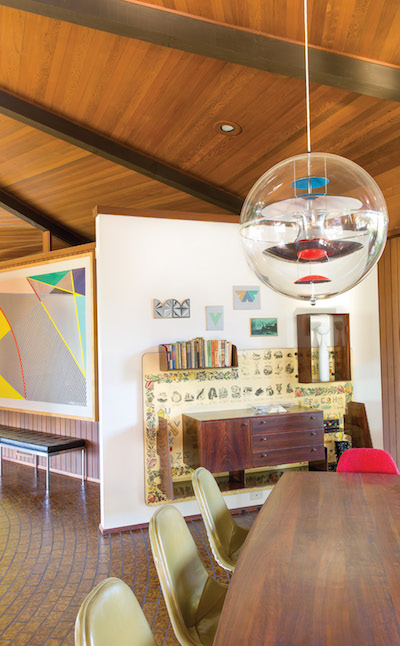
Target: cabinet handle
(313,449)
(313,433)
(313,417)
(244,423)
(264,455)
(264,421)
(264,439)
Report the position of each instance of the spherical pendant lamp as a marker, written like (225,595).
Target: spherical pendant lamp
(313,226)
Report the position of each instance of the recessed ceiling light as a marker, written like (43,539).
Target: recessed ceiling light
(227,128)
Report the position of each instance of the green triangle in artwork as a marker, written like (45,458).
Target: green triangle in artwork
(50,279)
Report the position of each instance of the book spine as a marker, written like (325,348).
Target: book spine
(228,357)
(214,353)
(193,353)
(169,356)
(180,356)
(223,343)
(179,359)
(184,356)
(173,356)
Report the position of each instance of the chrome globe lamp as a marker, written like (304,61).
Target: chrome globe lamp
(313,226)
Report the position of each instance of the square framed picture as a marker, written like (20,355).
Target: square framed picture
(246,297)
(263,327)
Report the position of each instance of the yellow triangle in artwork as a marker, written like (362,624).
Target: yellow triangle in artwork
(4,325)
(8,391)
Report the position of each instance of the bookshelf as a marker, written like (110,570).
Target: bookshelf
(198,354)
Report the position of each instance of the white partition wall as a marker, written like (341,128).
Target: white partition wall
(140,259)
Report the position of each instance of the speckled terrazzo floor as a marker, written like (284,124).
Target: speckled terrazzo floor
(52,555)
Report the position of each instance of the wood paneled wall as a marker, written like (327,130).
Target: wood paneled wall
(69,463)
(389,316)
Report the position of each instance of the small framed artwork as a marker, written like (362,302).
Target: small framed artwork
(246,297)
(263,327)
(172,309)
(215,317)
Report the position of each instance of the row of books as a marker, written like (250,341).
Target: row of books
(198,353)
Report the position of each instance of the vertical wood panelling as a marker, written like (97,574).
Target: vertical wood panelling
(395,265)
(69,463)
(389,317)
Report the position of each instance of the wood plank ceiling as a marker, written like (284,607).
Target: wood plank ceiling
(164,104)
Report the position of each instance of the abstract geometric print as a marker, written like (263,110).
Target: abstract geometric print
(246,297)
(172,309)
(43,337)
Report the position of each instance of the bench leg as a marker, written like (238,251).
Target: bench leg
(47,473)
(36,462)
(1,459)
(83,452)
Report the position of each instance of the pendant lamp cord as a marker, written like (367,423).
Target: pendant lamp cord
(307,77)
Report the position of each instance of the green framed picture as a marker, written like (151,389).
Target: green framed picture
(264,327)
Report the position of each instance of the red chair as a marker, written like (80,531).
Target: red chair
(366,461)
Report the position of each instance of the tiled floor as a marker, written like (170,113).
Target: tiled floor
(52,555)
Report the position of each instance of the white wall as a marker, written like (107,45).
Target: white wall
(139,259)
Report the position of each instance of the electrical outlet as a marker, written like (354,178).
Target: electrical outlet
(256,495)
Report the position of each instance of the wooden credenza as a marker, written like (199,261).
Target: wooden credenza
(235,440)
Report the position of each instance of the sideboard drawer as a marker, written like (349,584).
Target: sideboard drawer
(286,456)
(291,439)
(282,423)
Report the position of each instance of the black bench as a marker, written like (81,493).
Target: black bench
(38,443)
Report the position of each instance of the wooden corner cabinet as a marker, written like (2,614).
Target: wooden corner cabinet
(341,346)
(234,440)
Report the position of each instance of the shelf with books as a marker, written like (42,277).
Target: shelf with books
(198,354)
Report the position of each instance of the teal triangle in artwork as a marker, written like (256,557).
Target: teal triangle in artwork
(81,309)
(50,279)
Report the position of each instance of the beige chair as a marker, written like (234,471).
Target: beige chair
(111,615)
(225,536)
(194,599)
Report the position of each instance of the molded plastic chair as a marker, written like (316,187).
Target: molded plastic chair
(366,461)
(194,599)
(225,536)
(111,614)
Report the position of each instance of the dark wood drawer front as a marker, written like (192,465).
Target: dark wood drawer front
(282,423)
(225,445)
(289,439)
(286,456)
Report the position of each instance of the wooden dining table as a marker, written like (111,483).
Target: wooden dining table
(321,565)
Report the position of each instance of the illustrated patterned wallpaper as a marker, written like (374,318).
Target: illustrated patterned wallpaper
(262,377)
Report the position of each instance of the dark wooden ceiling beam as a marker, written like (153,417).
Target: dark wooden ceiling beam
(57,126)
(39,220)
(224,42)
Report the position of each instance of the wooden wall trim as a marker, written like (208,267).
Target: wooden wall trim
(47,256)
(46,241)
(173,215)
